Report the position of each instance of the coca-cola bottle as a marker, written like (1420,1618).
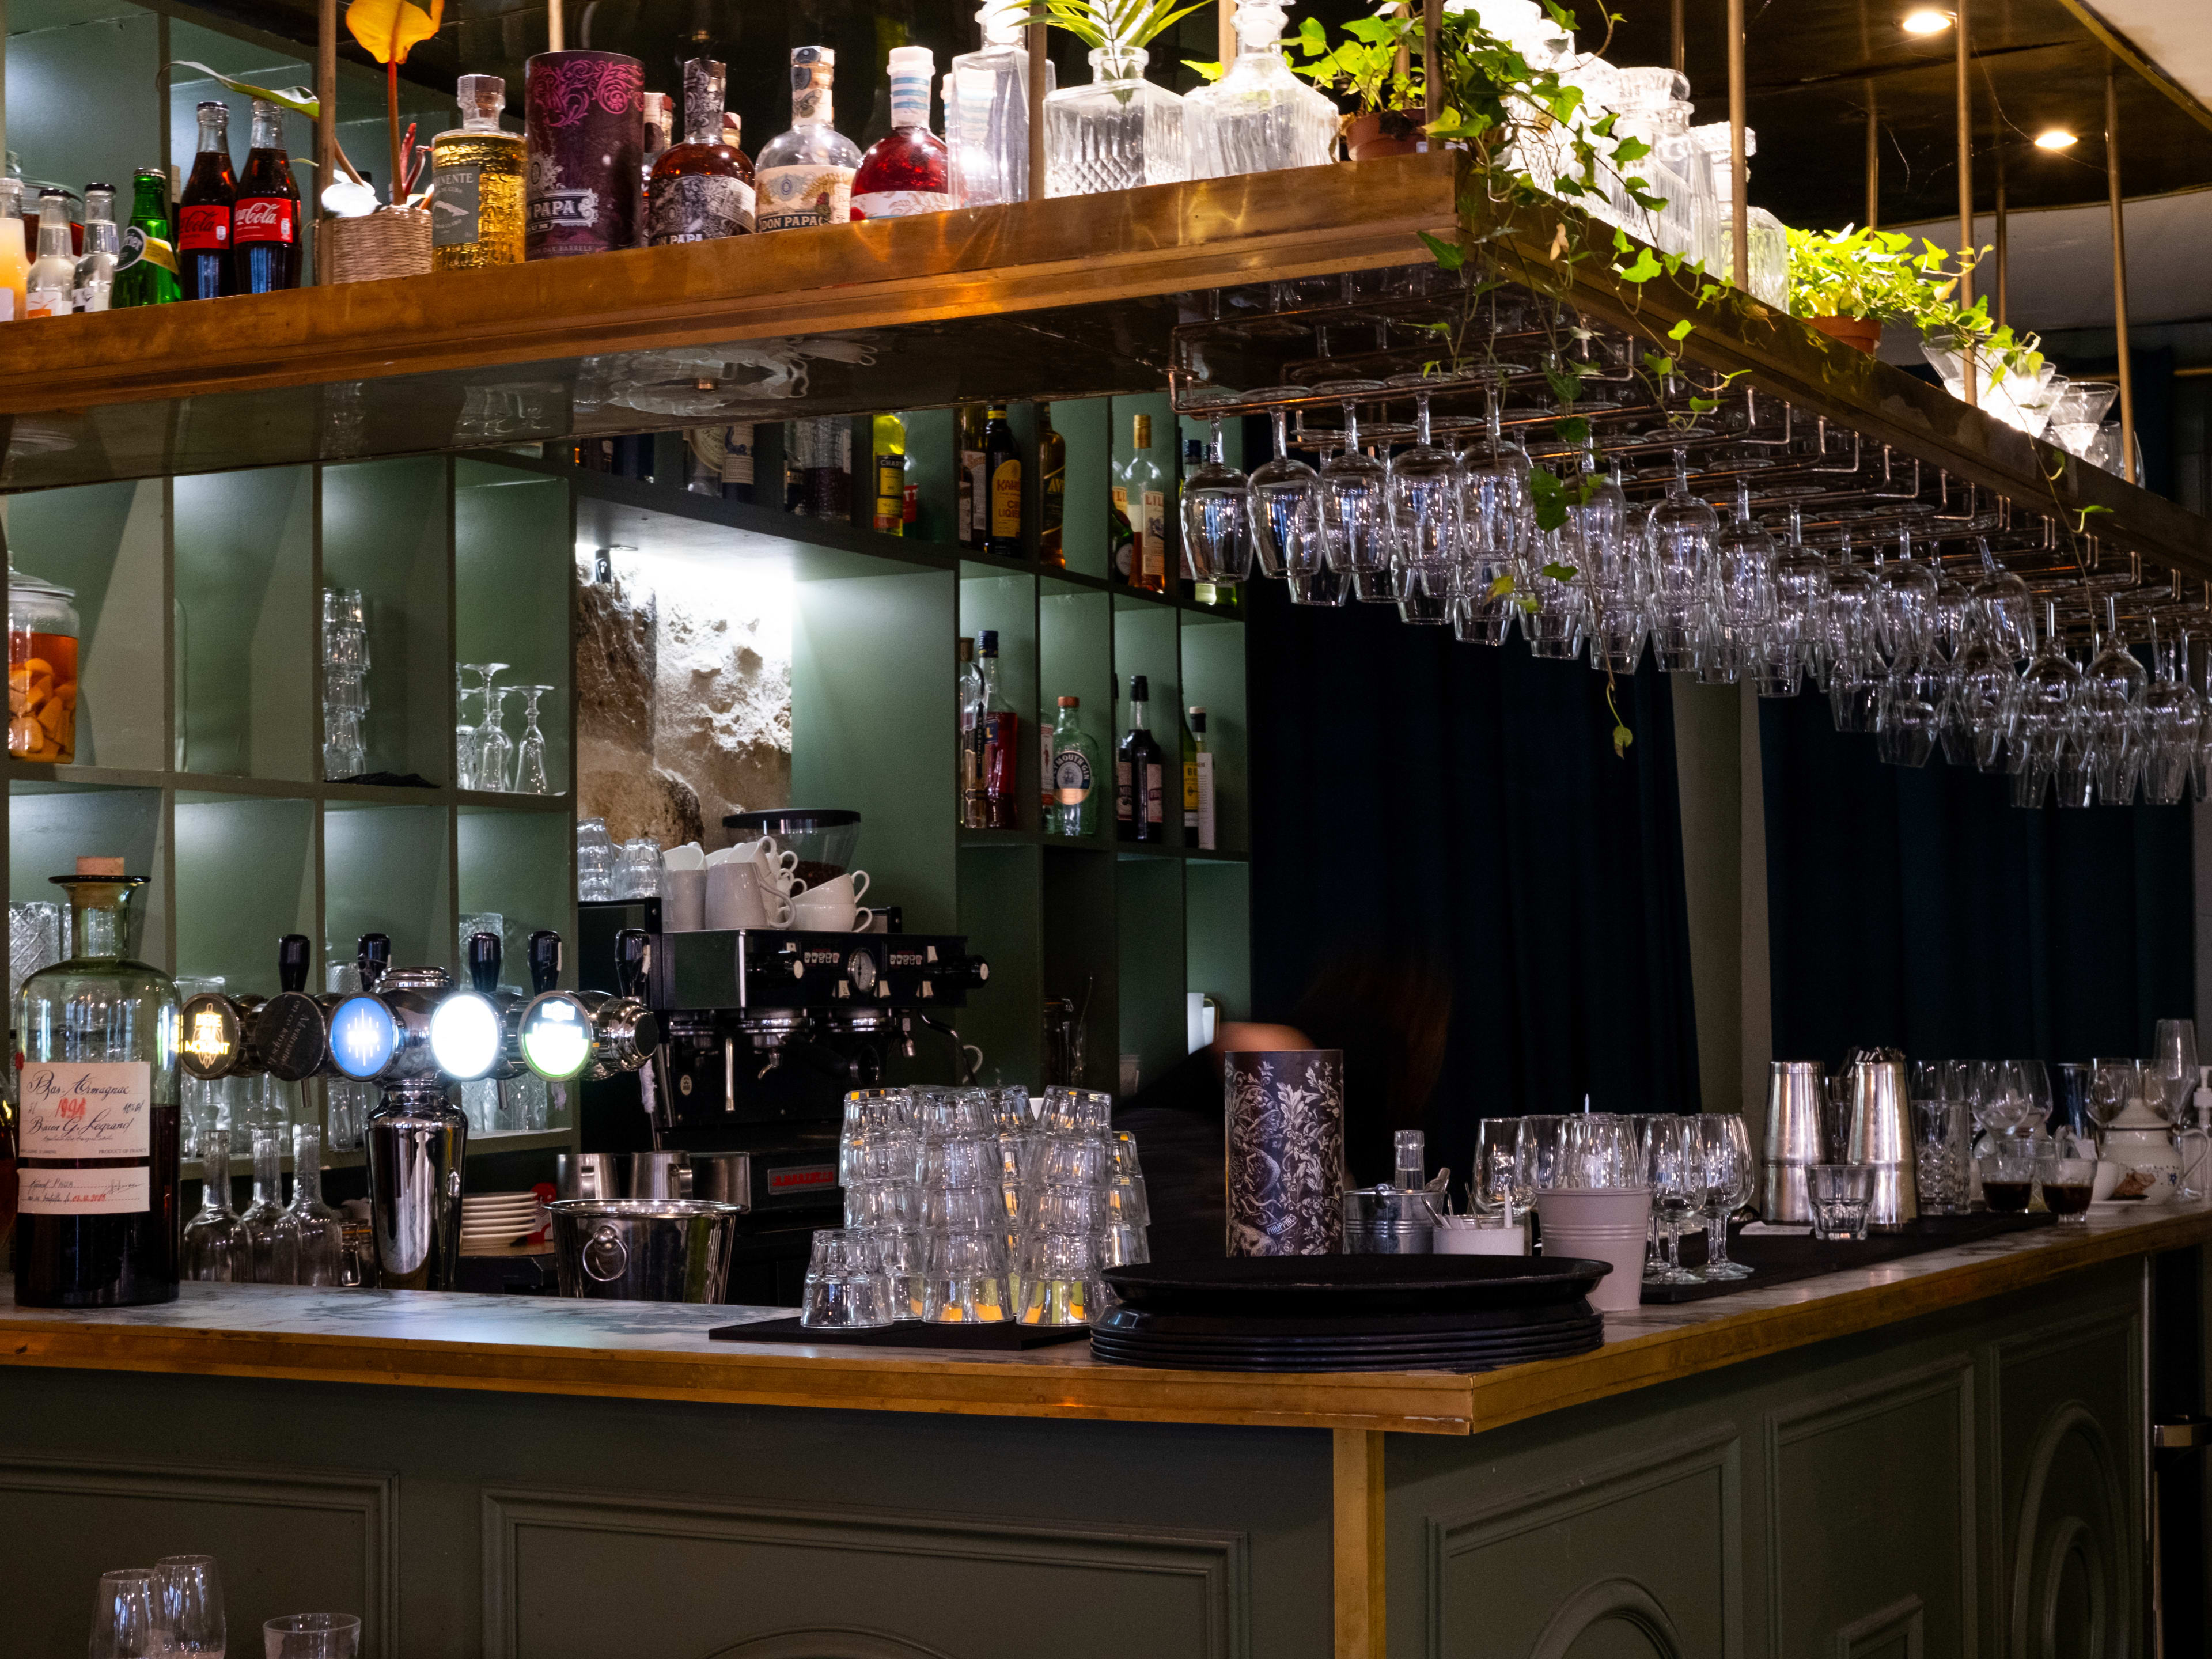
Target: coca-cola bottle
(264,223)
(204,269)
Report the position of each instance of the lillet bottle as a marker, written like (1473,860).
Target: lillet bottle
(98,1223)
(702,190)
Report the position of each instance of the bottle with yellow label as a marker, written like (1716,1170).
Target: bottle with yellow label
(1141,497)
(889,432)
(1002,466)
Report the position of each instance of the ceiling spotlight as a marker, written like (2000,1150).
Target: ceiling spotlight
(2055,138)
(1927,22)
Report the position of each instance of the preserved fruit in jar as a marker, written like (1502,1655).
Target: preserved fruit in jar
(42,671)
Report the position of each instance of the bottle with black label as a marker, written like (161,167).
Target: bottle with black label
(97,1224)
(974,495)
(1002,466)
(1139,809)
(1052,493)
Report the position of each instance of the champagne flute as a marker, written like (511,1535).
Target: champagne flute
(2172,1069)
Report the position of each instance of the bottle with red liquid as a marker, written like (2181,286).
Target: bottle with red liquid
(265,222)
(204,269)
(908,170)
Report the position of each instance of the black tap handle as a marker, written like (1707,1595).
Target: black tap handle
(632,961)
(374,956)
(292,951)
(544,961)
(484,962)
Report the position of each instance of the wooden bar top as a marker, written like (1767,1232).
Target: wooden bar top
(650,1351)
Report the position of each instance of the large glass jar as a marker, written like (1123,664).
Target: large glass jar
(98,1224)
(42,636)
(1118,133)
(1258,116)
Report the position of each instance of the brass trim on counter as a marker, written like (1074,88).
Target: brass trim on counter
(1654,1345)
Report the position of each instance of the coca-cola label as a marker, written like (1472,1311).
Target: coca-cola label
(203,227)
(456,209)
(700,208)
(265,219)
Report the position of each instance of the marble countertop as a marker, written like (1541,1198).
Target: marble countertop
(661,1351)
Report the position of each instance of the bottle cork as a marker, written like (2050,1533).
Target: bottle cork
(89,866)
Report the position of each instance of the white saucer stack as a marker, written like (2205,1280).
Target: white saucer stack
(494,1220)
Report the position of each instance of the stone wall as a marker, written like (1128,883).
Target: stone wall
(683,696)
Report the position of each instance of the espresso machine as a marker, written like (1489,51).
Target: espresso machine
(415,1034)
(761,1032)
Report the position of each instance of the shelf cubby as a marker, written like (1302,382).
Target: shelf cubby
(50,824)
(247,874)
(386,872)
(387,529)
(521,867)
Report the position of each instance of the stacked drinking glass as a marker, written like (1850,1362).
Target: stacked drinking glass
(345,682)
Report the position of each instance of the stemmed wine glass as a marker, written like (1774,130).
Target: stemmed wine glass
(2040,727)
(1681,529)
(1855,664)
(1905,601)
(1599,540)
(2111,686)
(188,1605)
(1216,518)
(1353,490)
(2169,1077)
(530,777)
(1424,515)
(495,750)
(2002,600)
(1493,522)
(2167,721)
(1794,646)
(1284,493)
(1725,1144)
(1740,604)
(1677,1187)
(465,734)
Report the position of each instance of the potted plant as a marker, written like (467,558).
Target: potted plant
(1378,64)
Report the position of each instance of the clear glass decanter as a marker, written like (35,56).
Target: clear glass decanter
(987,112)
(1768,236)
(1258,116)
(1645,96)
(309,1232)
(215,1242)
(272,1260)
(1118,133)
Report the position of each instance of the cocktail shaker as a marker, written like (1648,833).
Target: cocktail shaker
(416,1140)
(1795,1089)
(1880,1135)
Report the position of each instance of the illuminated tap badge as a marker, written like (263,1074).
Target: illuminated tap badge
(556,1037)
(363,1035)
(211,1037)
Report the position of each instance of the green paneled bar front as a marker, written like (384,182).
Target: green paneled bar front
(1942,1455)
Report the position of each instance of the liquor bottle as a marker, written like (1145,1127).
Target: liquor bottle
(975,494)
(1140,496)
(52,280)
(702,189)
(146,270)
(15,254)
(1002,466)
(1140,812)
(969,690)
(1051,494)
(987,112)
(660,118)
(215,1248)
(805,175)
(98,1224)
(1189,747)
(476,215)
(1119,132)
(265,220)
(1207,824)
(1259,115)
(1001,738)
(1073,775)
(888,434)
(204,267)
(93,285)
(818,467)
(907,170)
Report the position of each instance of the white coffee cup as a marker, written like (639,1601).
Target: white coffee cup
(683,900)
(737,897)
(689,856)
(833,906)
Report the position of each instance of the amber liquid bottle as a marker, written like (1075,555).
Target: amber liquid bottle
(702,189)
(1002,468)
(476,216)
(1052,492)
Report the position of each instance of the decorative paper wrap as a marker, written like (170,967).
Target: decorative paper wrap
(1285,1164)
(585,129)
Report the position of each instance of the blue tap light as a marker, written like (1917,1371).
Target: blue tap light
(363,1035)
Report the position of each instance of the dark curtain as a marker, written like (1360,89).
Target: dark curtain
(1461,805)
(1919,909)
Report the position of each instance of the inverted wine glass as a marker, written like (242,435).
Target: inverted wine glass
(1217,508)
(530,775)
(1281,489)
(1354,487)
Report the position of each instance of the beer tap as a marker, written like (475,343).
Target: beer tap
(292,1029)
(564,1033)
(222,1033)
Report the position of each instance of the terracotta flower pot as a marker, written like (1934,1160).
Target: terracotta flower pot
(1383,133)
(1859,333)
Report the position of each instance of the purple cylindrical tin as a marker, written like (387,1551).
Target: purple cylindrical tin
(584,127)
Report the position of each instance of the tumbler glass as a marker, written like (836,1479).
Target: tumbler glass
(1942,1144)
(188,1604)
(847,1287)
(1841,1195)
(2068,1183)
(964,1278)
(1060,1280)
(122,1617)
(311,1635)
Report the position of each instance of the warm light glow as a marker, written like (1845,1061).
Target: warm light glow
(2056,138)
(1927,22)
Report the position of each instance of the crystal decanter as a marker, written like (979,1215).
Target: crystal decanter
(1258,116)
(1118,133)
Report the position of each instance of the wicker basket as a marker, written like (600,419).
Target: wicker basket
(389,242)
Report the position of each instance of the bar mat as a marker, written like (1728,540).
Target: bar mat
(906,1334)
(1779,1258)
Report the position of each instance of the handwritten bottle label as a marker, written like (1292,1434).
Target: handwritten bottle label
(87,1108)
(84,1192)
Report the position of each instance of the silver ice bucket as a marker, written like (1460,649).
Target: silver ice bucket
(643,1249)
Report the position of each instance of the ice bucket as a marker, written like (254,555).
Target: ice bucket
(643,1249)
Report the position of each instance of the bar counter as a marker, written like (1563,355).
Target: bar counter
(1962,1428)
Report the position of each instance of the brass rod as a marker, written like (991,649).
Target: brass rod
(1738,176)
(2119,273)
(1040,65)
(1681,47)
(1433,83)
(1969,374)
(1224,32)
(327,134)
(556,38)
(1873,163)
(2003,268)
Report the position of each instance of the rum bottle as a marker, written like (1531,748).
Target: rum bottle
(1141,497)
(1002,466)
(805,175)
(146,270)
(1139,811)
(702,188)
(264,219)
(907,171)
(98,1223)
(203,265)
(1052,491)
(476,215)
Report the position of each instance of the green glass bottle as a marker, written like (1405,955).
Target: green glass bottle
(1075,777)
(146,272)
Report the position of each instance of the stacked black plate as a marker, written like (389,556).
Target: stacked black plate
(1350,1313)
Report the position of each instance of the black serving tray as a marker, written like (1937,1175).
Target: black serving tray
(906,1334)
(1123,1338)
(1325,1288)
(1779,1258)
